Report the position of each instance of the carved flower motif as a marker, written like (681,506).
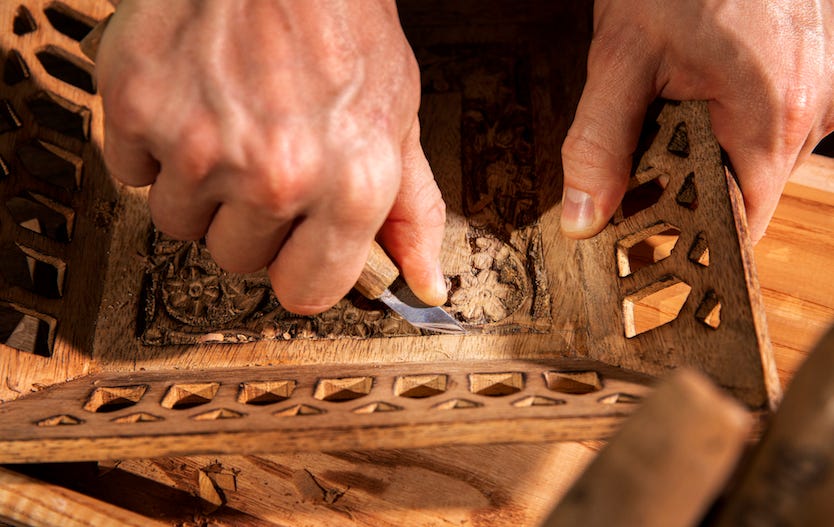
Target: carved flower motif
(346,319)
(482,296)
(194,291)
(494,289)
(191,292)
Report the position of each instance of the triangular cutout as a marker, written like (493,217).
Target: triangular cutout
(15,68)
(377,407)
(218,413)
(679,142)
(688,194)
(299,409)
(60,420)
(456,404)
(537,400)
(699,252)
(139,417)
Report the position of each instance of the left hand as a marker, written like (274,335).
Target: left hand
(765,68)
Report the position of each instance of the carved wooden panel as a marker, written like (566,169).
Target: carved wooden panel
(267,409)
(563,335)
(56,200)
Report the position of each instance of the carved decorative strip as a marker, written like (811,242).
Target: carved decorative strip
(145,406)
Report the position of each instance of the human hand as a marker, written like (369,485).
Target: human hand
(285,132)
(764,67)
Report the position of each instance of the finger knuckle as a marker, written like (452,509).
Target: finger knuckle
(799,113)
(366,188)
(284,179)
(434,214)
(196,153)
(128,107)
(580,148)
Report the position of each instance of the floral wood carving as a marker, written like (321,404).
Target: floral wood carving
(188,299)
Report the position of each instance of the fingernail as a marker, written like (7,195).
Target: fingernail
(577,210)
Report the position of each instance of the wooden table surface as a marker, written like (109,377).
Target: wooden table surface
(489,485)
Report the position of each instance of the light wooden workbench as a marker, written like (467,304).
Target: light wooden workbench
(468,485)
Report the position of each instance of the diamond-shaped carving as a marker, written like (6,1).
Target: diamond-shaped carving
(67,68)
(620,398)
(60,420)
(299,409)
(709,310)
(646,247)
(15,68)
(688,194)
(650,187)
(50,163)
(111,398)
(61,115)
(218,413)
(537,400)
(419,386)
(181,396)
(41,274)
(496,384)
(655,305)
(377,407)
(265,392)
(577,382)
(68,21)
(138,417)
(699,252)
(26,331)
(456,404)
(9,121)
(23,21)
(679,142)
(344,389)
(41,215)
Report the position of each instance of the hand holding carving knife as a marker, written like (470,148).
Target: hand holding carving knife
(380,279)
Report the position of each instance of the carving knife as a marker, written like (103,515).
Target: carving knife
(381,280)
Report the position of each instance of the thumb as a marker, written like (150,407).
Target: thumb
(413,232)
(597,152)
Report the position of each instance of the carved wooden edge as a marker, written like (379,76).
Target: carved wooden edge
(719,327)
(261,410)
(51,168)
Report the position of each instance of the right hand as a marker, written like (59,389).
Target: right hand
(284,132)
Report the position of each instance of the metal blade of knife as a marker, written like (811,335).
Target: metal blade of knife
(381,280)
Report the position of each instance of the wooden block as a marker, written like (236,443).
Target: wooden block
(789,479)
(27,501)
(122,300)
(667,464)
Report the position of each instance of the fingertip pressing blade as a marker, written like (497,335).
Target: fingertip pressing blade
(404,302)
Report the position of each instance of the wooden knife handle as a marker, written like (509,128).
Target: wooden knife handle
(379,273)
